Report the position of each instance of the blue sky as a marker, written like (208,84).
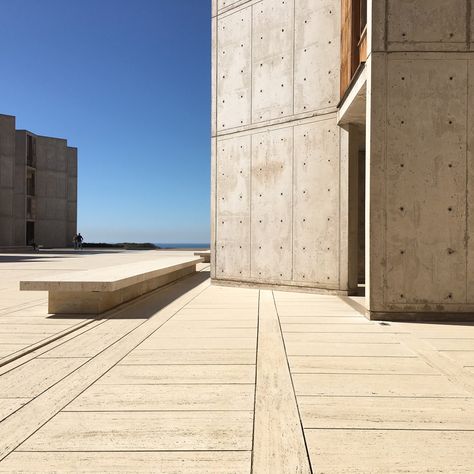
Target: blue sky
(128,83)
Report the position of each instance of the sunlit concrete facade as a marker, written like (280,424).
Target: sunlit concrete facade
(326,189)
(277,168)
(38,188)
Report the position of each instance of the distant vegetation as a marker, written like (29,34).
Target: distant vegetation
(123,245)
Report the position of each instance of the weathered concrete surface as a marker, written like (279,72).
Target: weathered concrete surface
(172,381)
(50,198)
(7,179)
(278,209)
(56,183)
(419,158)
(288,183)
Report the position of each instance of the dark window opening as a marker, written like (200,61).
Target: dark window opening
(30,232)
(31,151)
(30,208)
(31,185)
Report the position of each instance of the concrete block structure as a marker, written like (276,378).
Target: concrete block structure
(7,180)
(38,188)
(342,138)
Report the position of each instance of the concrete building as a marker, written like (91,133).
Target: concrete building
(342,138)
(38,188)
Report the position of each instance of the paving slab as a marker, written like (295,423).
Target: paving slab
(172,462)
(195,332)
(340,337)
(190,356)
(158,342)
(185,374)
(45,329)
(452,344)
(10,405)
(29,380)
(375,412)
(170,397)
(465,358)
(324,320)
(297,347)
(390,451)
(22,338)
(376,384)
(9,349)
(308,328)
(138,431)
(354,365)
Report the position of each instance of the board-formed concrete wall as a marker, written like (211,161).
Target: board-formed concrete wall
(420,137)
(7,179)
(278,207)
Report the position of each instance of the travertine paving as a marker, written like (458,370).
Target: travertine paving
(196,378)
(24,320)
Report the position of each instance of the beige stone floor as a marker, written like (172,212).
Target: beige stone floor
(24,320)
(197,378)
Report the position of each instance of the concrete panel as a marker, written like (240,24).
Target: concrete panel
(317,58)
(316,203)
(71,160)
(6,203)
(376,34)
(7,179)
(272,61)
(233,208)
(72,188)
(271,213)
(214,216)
(435,25)
(226,3)
(375,180)
(470,179)
(234,69)
(426,182)
(471,30)
(51,233)
(7,165)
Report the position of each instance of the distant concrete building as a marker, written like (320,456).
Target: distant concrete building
(38,188)
(342,150)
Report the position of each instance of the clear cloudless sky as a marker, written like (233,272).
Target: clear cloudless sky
(128,83)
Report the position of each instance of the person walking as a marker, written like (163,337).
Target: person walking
(79,239)
(74,241)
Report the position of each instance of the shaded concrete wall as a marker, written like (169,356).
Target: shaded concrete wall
(420,137)
(71,162)
(52,192)
(279,177)
(7,179)
(20,187)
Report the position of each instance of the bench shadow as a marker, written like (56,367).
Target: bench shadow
(147,305)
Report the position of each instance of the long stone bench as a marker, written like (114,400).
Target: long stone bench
(96,291)
(205,254)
